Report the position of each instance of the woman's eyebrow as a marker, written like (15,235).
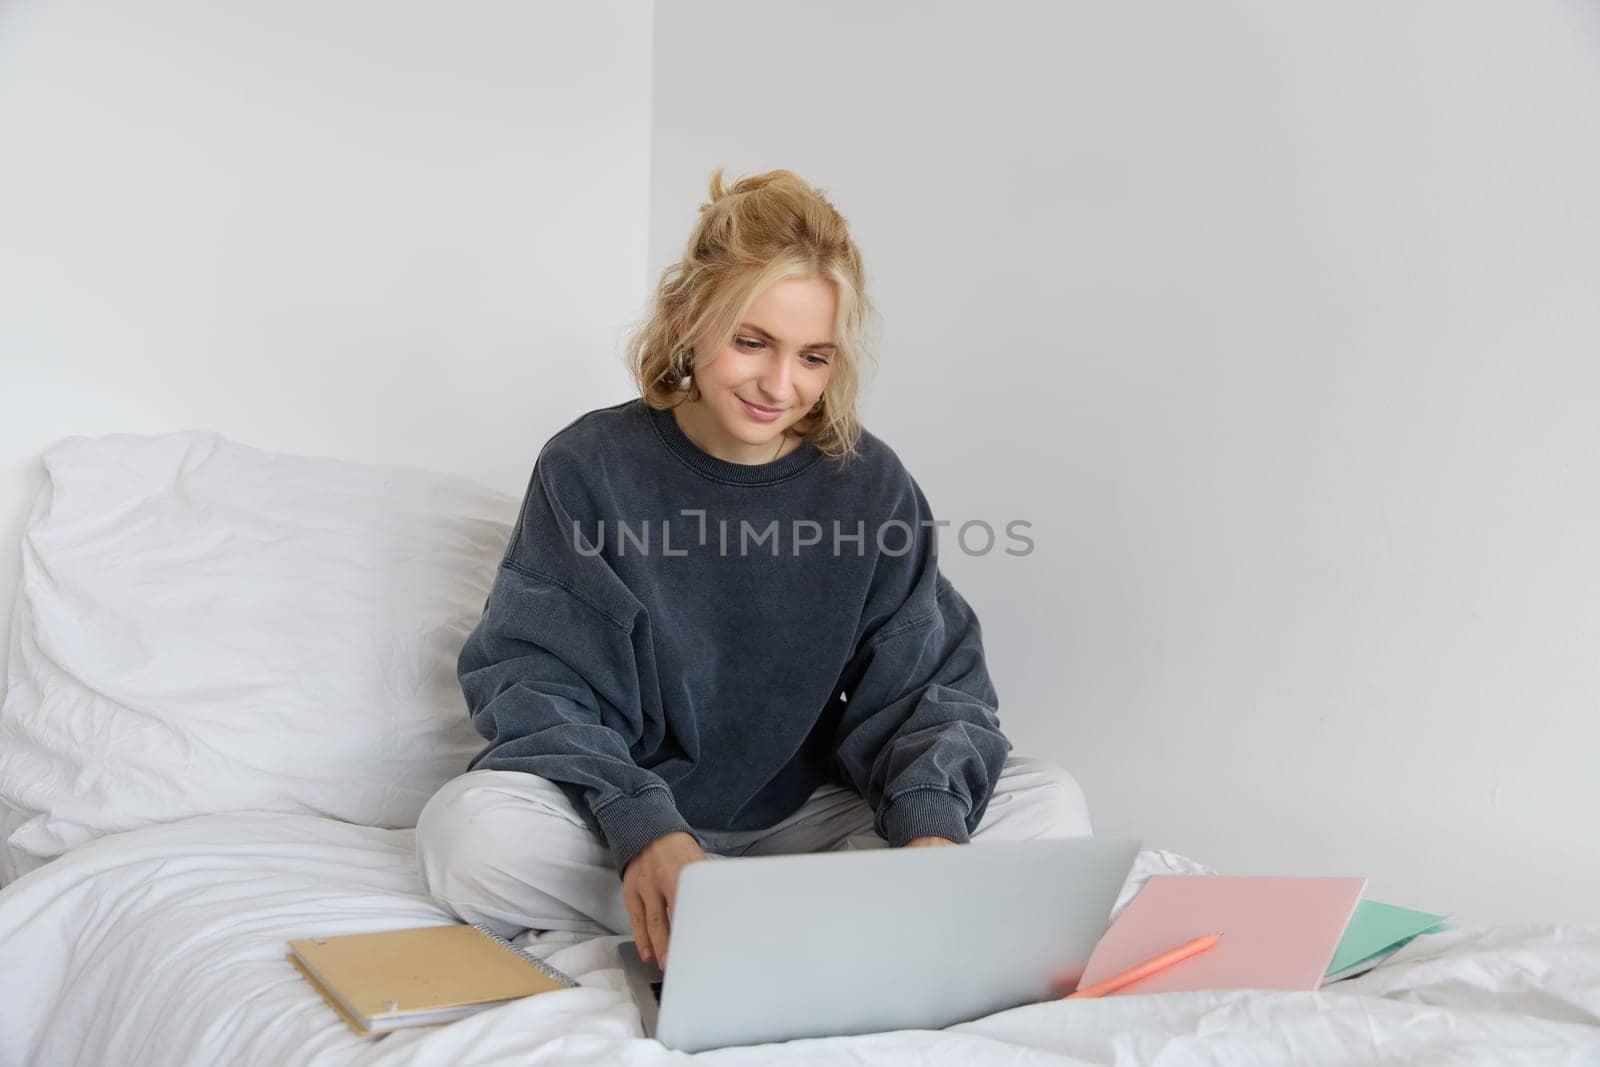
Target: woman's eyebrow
(753,328)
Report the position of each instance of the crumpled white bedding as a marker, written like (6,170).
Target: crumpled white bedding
(166,945)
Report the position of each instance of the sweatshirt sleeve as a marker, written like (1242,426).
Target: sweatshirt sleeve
(550,679)
(920,735)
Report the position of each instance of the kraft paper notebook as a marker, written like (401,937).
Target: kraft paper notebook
(1277,933)
(420,976)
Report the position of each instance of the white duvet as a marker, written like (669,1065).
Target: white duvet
(166,945)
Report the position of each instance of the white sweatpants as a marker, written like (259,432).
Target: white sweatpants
(507,849)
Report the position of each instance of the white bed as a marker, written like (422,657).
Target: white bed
(165,945)
(203,757)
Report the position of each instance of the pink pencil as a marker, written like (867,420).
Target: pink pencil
(1147,968)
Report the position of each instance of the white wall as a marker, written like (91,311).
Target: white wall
(397,232)
(1279,323)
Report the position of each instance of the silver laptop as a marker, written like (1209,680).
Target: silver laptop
(772,948)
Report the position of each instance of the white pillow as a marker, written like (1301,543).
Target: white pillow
(204,627)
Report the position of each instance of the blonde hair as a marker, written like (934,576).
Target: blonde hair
(766,228)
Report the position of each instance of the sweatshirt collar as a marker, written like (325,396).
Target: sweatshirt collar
(721,470)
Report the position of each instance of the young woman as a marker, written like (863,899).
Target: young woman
(719,627)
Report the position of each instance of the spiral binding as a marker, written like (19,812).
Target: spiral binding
(560,976)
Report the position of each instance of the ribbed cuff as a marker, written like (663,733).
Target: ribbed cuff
(630,823)
(925,812)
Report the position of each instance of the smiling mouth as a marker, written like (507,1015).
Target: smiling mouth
(758,407)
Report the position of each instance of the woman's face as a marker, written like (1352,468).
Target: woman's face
(773,370)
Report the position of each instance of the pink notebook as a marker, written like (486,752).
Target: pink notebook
(1277,933)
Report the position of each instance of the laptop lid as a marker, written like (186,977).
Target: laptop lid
(772,948)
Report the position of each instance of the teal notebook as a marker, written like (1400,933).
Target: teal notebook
(1375,932)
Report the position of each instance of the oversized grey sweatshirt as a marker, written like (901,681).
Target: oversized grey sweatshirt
(685,643)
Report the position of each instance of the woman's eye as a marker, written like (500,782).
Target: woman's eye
(810,357)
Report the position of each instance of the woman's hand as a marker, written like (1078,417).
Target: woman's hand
(650,889)
(924,842)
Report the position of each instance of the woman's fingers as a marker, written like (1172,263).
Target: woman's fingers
(672,898)
(636,916)
(656,919)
